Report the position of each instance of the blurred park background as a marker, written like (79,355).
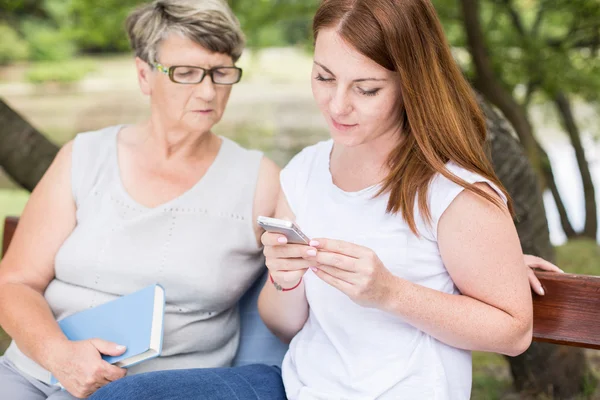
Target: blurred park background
(65,67)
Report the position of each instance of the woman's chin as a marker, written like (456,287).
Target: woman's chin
(198,124)
(346,139)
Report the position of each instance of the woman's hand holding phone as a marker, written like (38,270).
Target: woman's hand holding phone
(285,260)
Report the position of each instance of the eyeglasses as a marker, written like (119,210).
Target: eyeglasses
(188,75)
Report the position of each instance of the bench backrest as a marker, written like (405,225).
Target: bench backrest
(10,225)
(568,314)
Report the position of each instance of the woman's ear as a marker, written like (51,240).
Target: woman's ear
(143,73)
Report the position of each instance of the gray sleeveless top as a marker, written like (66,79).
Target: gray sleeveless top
(201,247)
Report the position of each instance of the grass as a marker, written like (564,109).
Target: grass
(579,256)
(491,376)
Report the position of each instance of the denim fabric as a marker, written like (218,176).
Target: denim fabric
(251,382)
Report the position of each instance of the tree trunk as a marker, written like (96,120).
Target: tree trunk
(492,88)
(557,371)
(516,174)
(487,83)
(25,154)
(591,218)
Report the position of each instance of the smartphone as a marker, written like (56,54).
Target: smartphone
(288,228)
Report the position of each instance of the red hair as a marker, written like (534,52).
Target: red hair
(440,118)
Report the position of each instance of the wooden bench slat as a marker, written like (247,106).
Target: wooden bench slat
(10,225)
(568,314)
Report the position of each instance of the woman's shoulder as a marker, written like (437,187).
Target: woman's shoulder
(440,180)
(92,152)
(295,178)
(93,147)
(442,191)
(97,137)
(241,154)
(442,187)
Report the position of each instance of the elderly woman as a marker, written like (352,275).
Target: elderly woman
(127,206)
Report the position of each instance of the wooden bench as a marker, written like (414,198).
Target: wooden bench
(568,314)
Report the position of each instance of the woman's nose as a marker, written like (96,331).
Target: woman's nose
(205,89)
(340,105)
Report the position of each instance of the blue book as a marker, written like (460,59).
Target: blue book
(134,321)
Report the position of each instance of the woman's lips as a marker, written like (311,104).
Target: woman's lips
(342,127)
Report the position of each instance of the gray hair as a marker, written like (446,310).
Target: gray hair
(210,23)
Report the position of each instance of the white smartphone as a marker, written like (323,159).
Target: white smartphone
(288,228)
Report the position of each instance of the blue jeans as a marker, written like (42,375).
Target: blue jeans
(250,382)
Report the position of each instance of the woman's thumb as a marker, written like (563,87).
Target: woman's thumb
(108,348)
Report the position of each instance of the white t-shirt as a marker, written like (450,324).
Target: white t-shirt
(346,351)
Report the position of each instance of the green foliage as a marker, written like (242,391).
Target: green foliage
(99,26)
(46,43)
(553,45)
(37,24)
(275,22)
(14,9)
(56,29)
(12,47)
(269,36)
(59,72)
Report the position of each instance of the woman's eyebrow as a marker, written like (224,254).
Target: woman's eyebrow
(356,80)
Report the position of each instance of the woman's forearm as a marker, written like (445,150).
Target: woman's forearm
(458,320)
(27,318)
(284,313)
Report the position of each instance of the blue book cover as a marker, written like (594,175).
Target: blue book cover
(134,321)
